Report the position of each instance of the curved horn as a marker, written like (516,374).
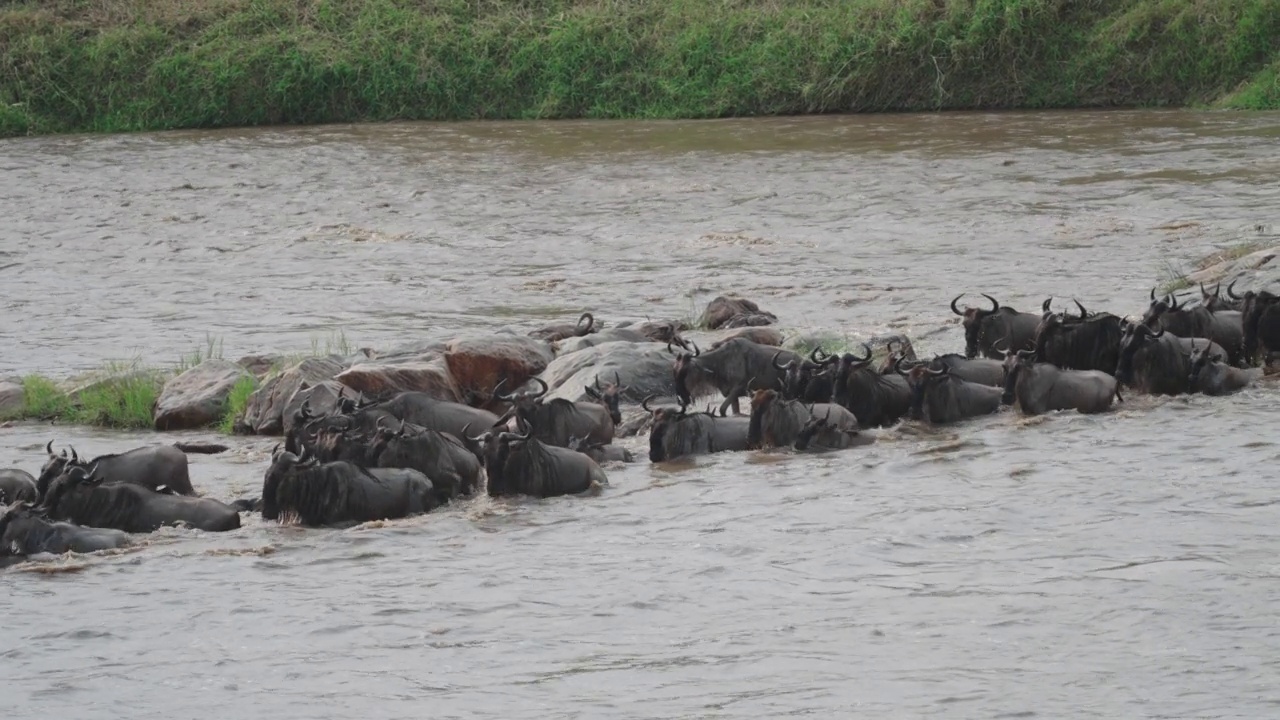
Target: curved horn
(955,309)
(545,389)
(994,305)
(897,367)
(781,367)
(1174,305)
(591,320)
(617,380)
(866,348)
(1044,307)
(942,371)
(92,473)
(1007,340)
(813,356)
(498,387)
(74,457)
(696,350)
(49,448)
(596,383)
(1153,294)
(645,403)
(1231,294)
(1083,313)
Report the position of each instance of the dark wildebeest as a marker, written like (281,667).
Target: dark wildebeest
(729,368)
(876,400)
(1040,387)
(1212,377)
(984,328)
(522,465)
(446,461)
(1261,324)
(601,453)
(609,396)
(811,380)
(24,532)
(679,433)
(555,421)
(150,467)
(938,397)
(1225,328)
(1216,302)
(1090,342)
(983,371)
(18,486)
(553,333)
(820,433)
(1157,363)
(83,497)
(340,493)
(776,422)
(418,408)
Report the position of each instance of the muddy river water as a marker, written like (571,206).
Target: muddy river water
(1124,565)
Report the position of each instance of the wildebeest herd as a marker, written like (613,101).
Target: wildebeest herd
(366,461)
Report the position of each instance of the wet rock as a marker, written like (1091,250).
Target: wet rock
(712,340)
(321,399)
(1254,271)
(732,311)
(478,364)
(12,399)
(259,365)
(197,397)
(264,413)
(413,350)
(663,331)
(383,380)
(645,369)
(574,344)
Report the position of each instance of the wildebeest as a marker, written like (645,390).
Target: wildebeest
(609,396)
(820,432)
(82,496)
(552,333)
(452,469)
(1216,302)
(519,464)
(984,328)
(679,433)
(983,371)
(876,400)
(811,380)
(151,467)
(555,421)
(1225,328)
(24,531)
(418,408)
(730,368)
(1158,363)
(18,485)
(776,422)
(1090,342)
(602,453)
(938,397)
(340,493)
(1261,324)
(1212,377)
(1039,387)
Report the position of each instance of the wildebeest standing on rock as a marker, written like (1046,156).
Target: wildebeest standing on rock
(1261,324)
(1212,377)
(24,532)
(151,467)
(339,493)
(729,369)
(554,333)
(1226,328)
(83,497)
(776,422)
(677,433)
(519,464)
(18,485)
(876,400)
(1041,387)
(938,397)
(983,329)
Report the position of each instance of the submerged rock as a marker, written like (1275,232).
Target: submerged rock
(197,397)
(478,364)
(264,413)
(645,369)
(382,380)
(732,312)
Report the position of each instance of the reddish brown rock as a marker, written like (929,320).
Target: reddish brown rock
(478,364)
(427,373)
(197,397)
(264,413)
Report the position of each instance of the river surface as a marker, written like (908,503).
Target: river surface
(1116,566)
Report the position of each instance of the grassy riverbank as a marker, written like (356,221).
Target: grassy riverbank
(110,65)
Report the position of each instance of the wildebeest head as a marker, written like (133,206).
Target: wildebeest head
(56,465)
(1214,300)
(973,318)
(798,374)
(1014,363)
(663,417)
(73,477)
(523,404)
(812,427)
(1159,307)
(1136,335)
(680,370)
(350,406)
(609,396)
(919,377)
(283,464)
(1200,358)
(761,400)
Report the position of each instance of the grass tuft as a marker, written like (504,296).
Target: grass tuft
(237,401)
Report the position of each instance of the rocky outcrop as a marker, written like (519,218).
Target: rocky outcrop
(12,399)
(383,380)
(1255,271)
(264,413)
(259,365)
(645,369)
(732,312)
(574,344)
(712,340)
(478,364)
(197,397)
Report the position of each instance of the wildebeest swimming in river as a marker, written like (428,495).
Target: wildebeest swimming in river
(24,531)
(340,492)
(811,380)
(1261,318)
(730,368)
(444,459)
(680,433)
(151,467)
(938,397)
(1040,387)
(876,400)
(1226,328)
(776,422)
(1089,342)
(18,485)
(82,496)
(984,328)
(1212,377)
(1158,363)
(556,421)
(520,464)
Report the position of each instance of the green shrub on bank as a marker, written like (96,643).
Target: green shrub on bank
(132,65)
(237,401)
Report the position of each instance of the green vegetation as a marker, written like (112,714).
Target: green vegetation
(237,401)
(112,65)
